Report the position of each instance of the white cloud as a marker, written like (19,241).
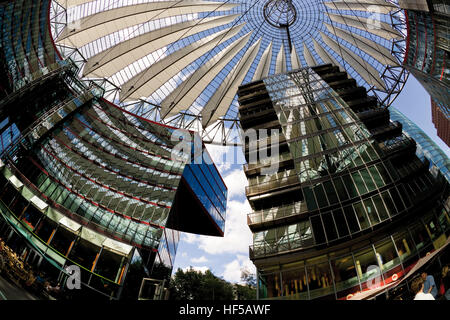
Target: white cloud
(202,259)
(198,269)
(236,183)
(225,157)
(237,237)
(233,270)
(189,237)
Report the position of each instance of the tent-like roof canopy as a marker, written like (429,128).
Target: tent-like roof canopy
(190,56)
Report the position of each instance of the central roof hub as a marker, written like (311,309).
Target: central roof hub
(280,13)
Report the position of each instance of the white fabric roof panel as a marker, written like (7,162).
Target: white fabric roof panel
(309,57)
(280,66)
(295,59)
(185,95)
(177,33)
(365,70)
(263,68)
(378,6)
(148,81)
(379,52)
(325,56)
(109,62)
(106,22)
(379,28)
(222,99)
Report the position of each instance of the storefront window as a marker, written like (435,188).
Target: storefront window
(320,279)
(45,229)
(84,253)
(31,217)
(294,284)
(420,237)
(8,194)
(109,265)
(404,245)
(387,255)
(367,268)
(271,282)
(444,219)
(432,226)
(345,275)
(62,240)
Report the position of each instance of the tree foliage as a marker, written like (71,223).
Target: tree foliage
(195,285)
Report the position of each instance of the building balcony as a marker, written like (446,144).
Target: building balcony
(249,88)
(373,113)
(252,169)
(258,116)
(268,217)
(391,130)
(263,250)
(400,144)
(273,185)
(366,102)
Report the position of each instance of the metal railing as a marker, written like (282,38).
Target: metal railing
(276,213)
(283,182)
(265,249)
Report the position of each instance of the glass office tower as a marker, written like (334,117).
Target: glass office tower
(350,201)
(428,53)
(86,183)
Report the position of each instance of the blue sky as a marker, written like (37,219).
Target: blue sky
(227,256)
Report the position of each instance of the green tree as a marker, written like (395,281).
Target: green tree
(248,290)
(195,285)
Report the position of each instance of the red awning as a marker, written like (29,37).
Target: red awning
(420,263)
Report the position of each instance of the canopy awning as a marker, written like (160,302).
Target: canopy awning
(38,203)
(419,264)
(70,224)
(15,182)
(372,292)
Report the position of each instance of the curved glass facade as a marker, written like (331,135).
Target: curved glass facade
(348,184)
(86,183)
(427,56)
